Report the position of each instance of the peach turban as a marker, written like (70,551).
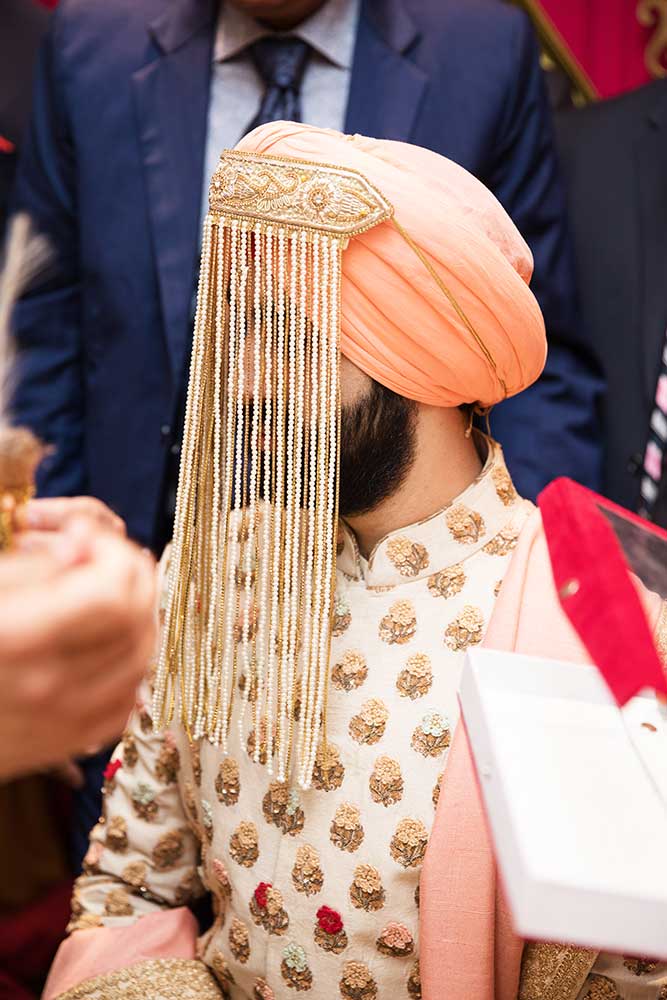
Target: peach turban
(398,323)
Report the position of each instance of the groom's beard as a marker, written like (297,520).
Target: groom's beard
(377,449)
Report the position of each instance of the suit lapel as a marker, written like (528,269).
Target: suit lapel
(651,161)
(171,101)
(386,88)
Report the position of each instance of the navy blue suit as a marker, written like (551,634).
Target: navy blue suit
(112,172)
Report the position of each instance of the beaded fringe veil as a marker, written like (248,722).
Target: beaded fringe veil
(252,570)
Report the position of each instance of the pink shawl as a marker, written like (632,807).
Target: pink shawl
(468,947)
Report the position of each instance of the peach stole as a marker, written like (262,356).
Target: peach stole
(468,946)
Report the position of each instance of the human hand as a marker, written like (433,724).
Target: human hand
(39,522)
(76,636)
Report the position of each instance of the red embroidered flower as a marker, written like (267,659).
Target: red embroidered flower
(330,921)
(260,894)
(110,770)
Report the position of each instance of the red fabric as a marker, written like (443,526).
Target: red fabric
(606,39)
(605,608)
(29,940)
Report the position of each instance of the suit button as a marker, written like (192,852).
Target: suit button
(165,431)
(635,463)
(175,449)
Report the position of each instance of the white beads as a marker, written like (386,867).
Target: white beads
(251,580)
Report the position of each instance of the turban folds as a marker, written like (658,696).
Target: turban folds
(398,324)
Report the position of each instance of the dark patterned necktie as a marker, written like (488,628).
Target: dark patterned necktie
(281,63)
(653,493)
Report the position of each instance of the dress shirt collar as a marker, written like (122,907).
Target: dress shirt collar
(330,31)
(479,518)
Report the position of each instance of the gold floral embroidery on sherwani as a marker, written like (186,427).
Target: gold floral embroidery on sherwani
(554,972)
(316,891)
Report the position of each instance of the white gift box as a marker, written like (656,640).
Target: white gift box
(575,792)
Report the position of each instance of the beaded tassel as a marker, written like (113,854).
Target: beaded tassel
(251,572)
(252,568)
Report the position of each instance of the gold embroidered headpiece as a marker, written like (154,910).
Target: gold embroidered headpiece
(252,570)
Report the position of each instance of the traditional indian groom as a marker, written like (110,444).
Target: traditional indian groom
(342,537)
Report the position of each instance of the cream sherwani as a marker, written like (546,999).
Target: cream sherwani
(318,891)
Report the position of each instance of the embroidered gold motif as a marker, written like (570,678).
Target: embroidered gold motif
(334,943)
(168,762)
(263,742)
(281,807)
(239,941)
(342,616)
(602,988)
(328,772)
(130,752)
(395,939)
(169,850)
(554,971)
(503,543)
(435,796)
(244,844)
(399,625)
(222,879)
(386,781)
(367,892)
(272,917)
(294,968)
(433,736)
(415,680)
(134,874)
(296,193)
(408,845)
(227,783)
(466,630)
(168,978)
(195,757)
(448,582)
(143,802)
(307,874)
(350,671)
(415,983)
(116,838)
(369,724)
(221,971)
(409,558)
(357,982)
(467,526)
(639,966)
(504,485)
(346,830)
(117,903)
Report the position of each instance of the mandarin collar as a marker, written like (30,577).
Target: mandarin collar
(469,523)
